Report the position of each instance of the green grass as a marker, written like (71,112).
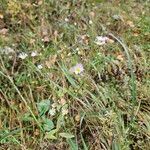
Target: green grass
(106,107)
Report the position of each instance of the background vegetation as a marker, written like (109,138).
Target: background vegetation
(43,105)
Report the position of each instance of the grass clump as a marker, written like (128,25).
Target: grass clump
(74,75)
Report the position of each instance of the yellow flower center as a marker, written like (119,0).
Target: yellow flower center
(77,70)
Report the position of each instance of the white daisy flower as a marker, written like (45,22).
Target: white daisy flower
(54,105)
(101,40)
(65,111)
(22,55)
(66,19)
(77,69)
(34,53)
(39,66)
(75,23)
(8,50)
(52,111)
(90,22)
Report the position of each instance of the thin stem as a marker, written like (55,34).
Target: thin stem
(133,84)
(22,98)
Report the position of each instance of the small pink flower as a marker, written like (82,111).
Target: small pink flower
(101,40)
(77,69)
(34,53)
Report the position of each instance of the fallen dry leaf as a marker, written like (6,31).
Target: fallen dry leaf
(77,118)
(32,41)
(55,34)
(3,31)
(40,2)
(84,39)
(110,40)
(36,132)
(45,31)
(62,101)
(130,23)
(46,39)
(92,14)
(2,24)
(51,61)
(135,34)
(1,16)
(120,57)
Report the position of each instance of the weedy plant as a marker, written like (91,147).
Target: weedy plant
(74,75)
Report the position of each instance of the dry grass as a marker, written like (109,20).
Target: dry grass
(107,107)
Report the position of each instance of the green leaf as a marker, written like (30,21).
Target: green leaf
(27,117)
(48,124)
(73,145)
(69,78)
(60,122)
(84,144)
(66,135)
(50,135)
(43,107)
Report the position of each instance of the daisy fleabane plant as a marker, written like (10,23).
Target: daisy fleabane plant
(77,69)
(34,53)
(40,66)
(102,40)
(22,55)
